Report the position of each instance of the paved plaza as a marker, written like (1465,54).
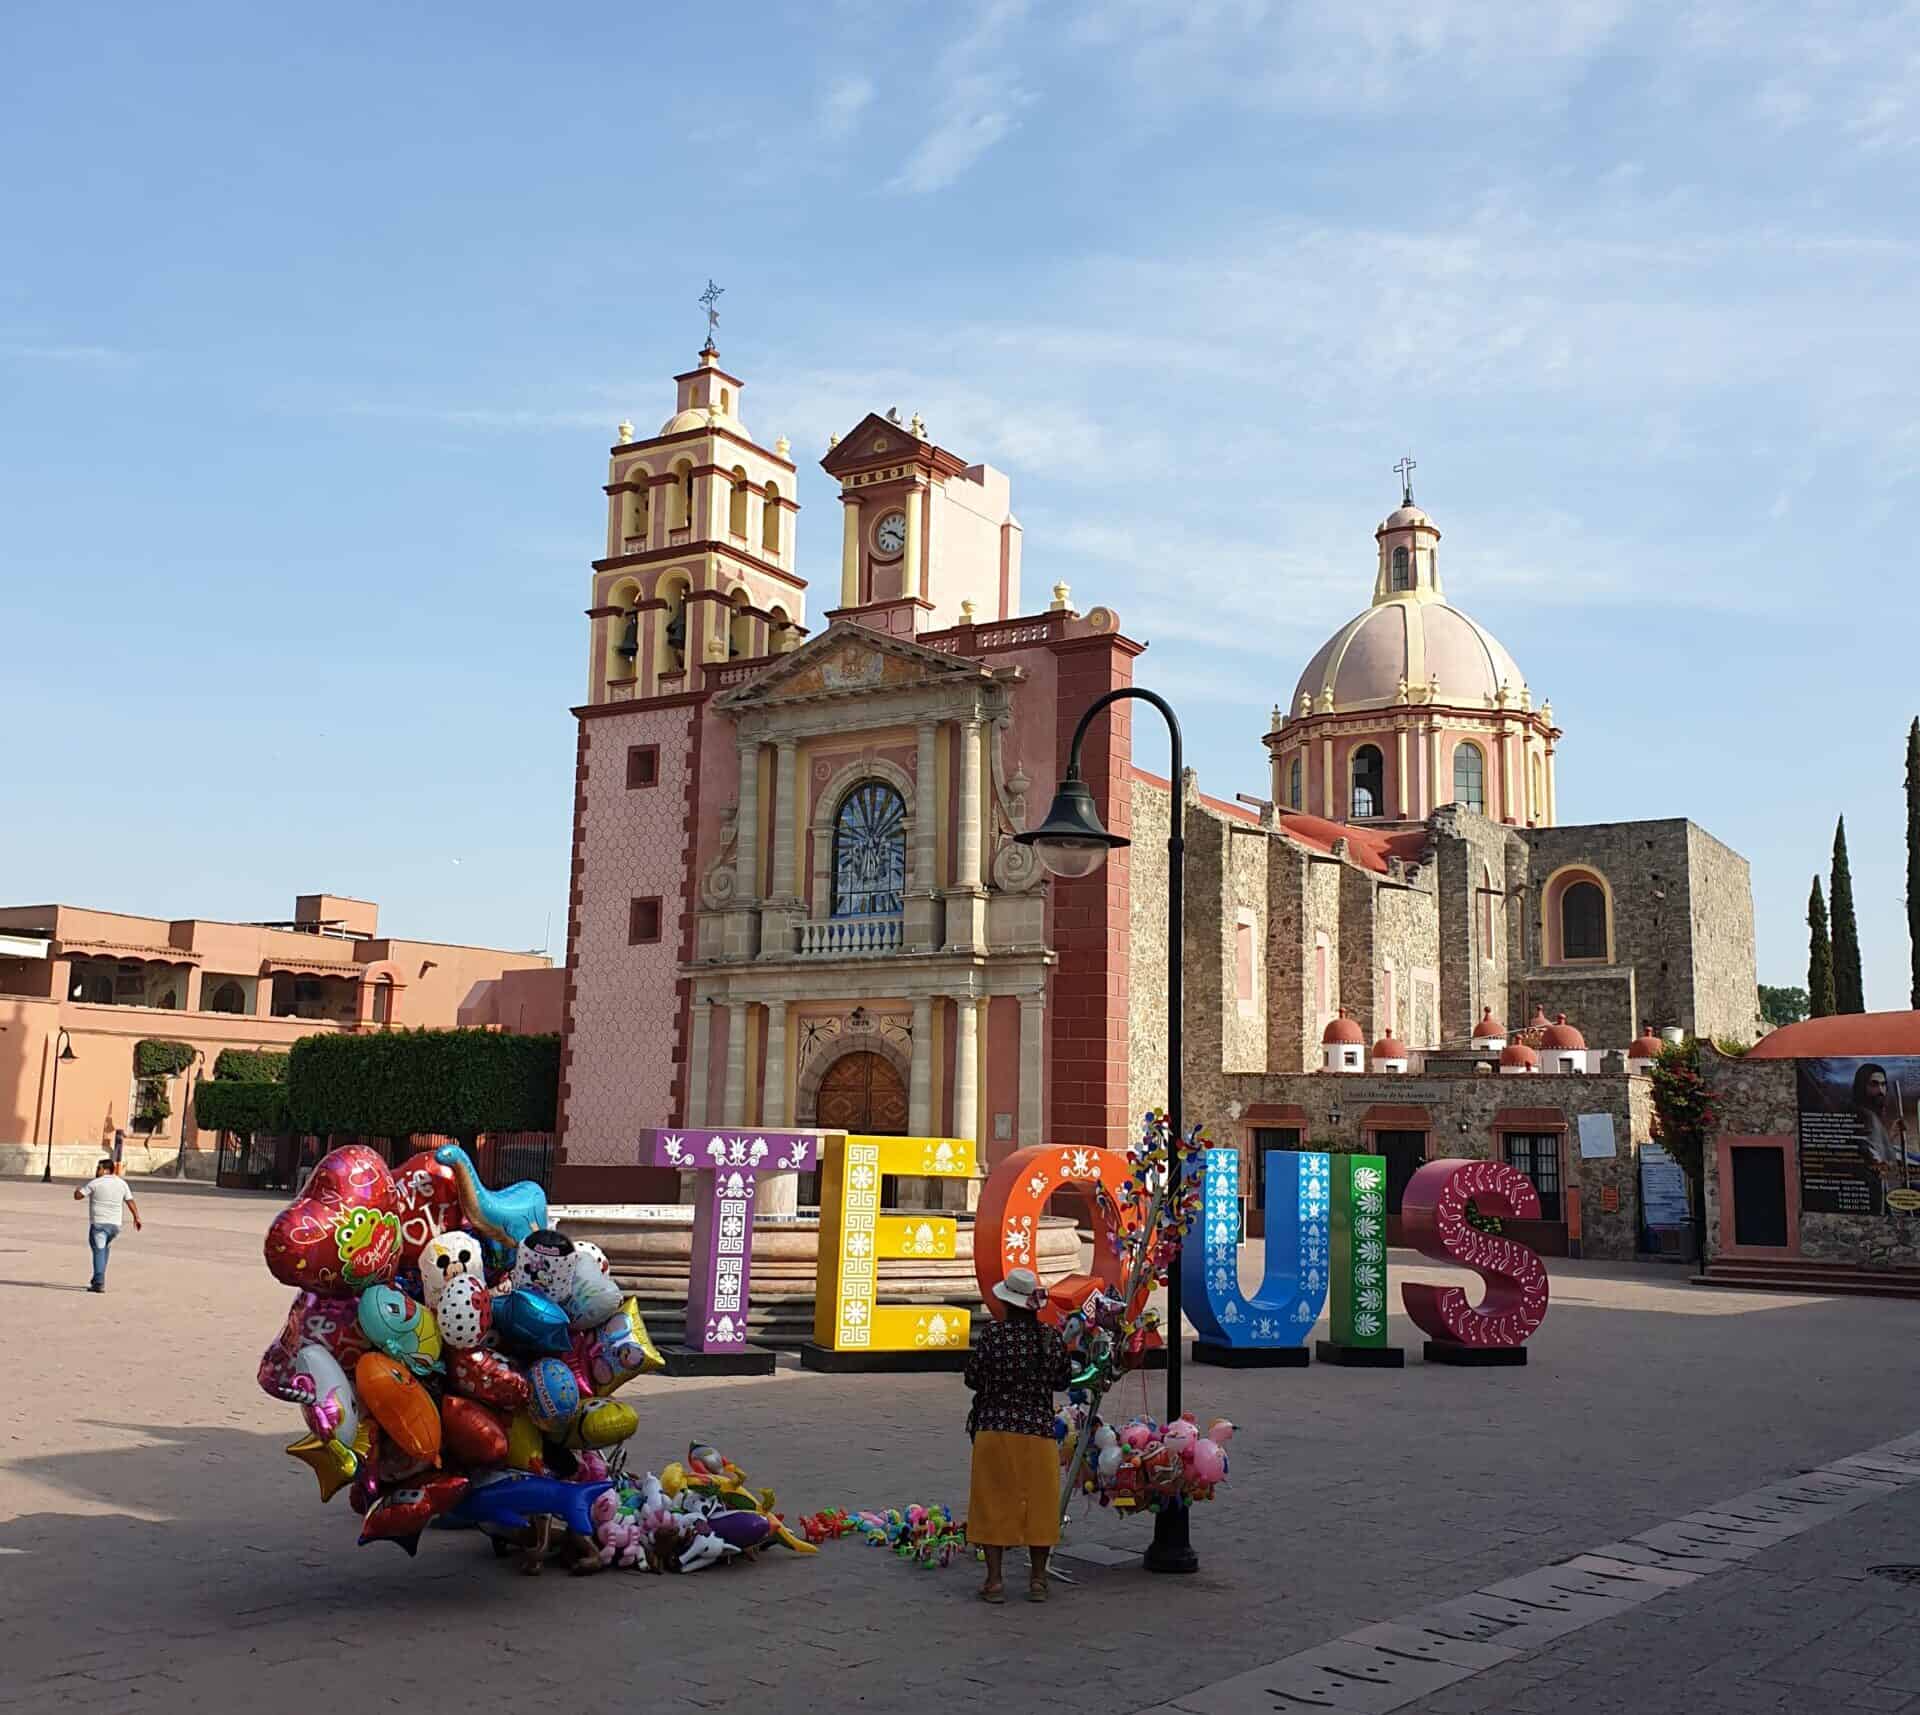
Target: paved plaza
(158,1551)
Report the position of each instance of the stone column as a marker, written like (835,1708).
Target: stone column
(1506,777)
(967,901)
(746,853)
(922,924)
(778,1193)
(1437,794)
(776,917)
(1404,785)
(850,554)
(966,1067)
(699,1060)
(1033,1044)
(910,560)
(1329,807)
(1550,815)
(920,1073)
(733,1105)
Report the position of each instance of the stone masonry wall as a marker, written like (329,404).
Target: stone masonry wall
(1469,850)
(1759,1098)
(1244,888)
(1406,929)
(1289,974)
(1357,960)
(1147,998)
(1720,897)
(1607,1234)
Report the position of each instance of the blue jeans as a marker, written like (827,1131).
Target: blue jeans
(98,1239)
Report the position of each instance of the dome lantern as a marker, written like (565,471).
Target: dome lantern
(1343,1046)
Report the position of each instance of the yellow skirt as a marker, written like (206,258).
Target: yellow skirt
(1014,1501)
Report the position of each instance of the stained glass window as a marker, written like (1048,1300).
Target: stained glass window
(870,852)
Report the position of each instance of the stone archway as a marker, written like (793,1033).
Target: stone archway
(861,1092)
(859,1037)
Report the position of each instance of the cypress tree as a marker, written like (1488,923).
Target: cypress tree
(1819,956)
(1849,994)
(1913,854)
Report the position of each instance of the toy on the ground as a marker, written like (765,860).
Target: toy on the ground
(692,1515)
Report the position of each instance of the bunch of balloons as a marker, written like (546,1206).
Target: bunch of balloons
(927,1536)
(1144,1464)
(692,1515)
(453,1357)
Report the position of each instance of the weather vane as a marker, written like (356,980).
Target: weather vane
(1404,471)
(711,299)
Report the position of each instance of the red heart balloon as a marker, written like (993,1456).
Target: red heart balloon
(342,1233)
(487,1376)
(474,1434)
(429,1203)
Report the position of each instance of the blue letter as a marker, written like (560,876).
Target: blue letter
(1294,1289)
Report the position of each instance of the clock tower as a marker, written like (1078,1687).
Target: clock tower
(925,535)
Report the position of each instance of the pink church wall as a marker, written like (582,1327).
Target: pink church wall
(1003,1077)
(624,1018)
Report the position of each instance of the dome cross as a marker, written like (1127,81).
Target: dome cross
(1404,471)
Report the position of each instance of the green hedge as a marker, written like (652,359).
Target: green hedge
(399,1083)
(252,1065)
(155,1057)
(227,1105)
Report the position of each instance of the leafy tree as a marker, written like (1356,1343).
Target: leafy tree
(1849,994)
(251,1065)
(1819,956)
(229,1104)
(1913,854)
(1780,1006)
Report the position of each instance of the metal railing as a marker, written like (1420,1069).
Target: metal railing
(850,937)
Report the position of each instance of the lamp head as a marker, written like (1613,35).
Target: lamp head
(1072,842)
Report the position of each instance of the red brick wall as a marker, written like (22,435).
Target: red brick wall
(1087,1046)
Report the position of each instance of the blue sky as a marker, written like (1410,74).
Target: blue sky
(312,341)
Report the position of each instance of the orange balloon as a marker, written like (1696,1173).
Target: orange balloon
(400,1405)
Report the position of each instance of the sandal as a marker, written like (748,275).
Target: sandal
(1037,1590)
(995,1593)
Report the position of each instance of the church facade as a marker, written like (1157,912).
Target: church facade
(796,896)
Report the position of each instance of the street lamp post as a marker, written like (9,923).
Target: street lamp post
(63,1044)
(1072,843)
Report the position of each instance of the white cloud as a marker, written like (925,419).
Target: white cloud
(976,102)
(845,100)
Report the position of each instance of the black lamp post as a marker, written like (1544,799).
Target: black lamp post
(65,1046)
(1072,843)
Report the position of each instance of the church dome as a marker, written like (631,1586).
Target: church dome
(1560,1034)
(1343,1032)
(1406,641)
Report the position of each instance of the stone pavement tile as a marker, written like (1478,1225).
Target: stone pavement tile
(1630,1571)
(1430,1646)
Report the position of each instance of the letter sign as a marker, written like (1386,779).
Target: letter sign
(1434,1216)
(1358,1275)
(855,1237)
(729,1165)
(1234,1328)
(1013,1202)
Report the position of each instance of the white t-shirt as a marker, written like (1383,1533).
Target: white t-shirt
(107,1199)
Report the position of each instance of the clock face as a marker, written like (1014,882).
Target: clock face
(890,534)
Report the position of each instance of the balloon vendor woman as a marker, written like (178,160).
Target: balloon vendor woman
(1015,1369)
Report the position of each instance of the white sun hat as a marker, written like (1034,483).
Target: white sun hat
(1022,1287)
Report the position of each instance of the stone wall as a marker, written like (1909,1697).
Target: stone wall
(1147,913)
(1469,851)
(1599,1002)
(1608,1234)
(1356,956)
(1289,972)
(1720,896)
(1406,929)
(1760,1098)
(1244,889)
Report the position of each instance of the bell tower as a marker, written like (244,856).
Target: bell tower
(699,564)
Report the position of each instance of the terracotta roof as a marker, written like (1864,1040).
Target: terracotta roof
(1518,1054)
(1389,1047)
(1845,1033)
(1561,1034)
(1645,1046)
(326,967)
(1368,847)
(1343,1031)
(1488,1027)
(131,950)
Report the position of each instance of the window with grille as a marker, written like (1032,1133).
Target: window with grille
(1369,782)
(1537,1155)
(643,766)
(870,852)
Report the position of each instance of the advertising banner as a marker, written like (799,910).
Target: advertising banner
(1858,1148)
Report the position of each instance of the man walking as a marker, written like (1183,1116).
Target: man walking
(109,1198)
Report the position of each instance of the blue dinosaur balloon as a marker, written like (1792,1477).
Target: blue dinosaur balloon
(503,1218)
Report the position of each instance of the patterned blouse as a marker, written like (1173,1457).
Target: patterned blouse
(1015,1369)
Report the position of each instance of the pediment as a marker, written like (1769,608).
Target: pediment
(875,440)
(848,659)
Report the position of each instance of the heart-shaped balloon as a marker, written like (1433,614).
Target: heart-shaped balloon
(342,1233)
(487,1376)
(475,1434)
(429,1198)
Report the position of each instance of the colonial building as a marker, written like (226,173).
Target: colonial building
(796,898)
(1357,942)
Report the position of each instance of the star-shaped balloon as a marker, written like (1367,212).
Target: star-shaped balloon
(332,1463)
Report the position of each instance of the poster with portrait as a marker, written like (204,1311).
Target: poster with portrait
(1860,1135)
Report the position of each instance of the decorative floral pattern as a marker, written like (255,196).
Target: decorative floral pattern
(1015,1369)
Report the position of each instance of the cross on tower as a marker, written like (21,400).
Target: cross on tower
(711,299)
(1404,471)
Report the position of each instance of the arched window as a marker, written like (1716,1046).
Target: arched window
(639,508)
(726,403)
(737,503)
(779,632)
(1402,578)
(673,636)
(683,495)
(1469,777)
(770,520)
(228,997)
(1294,785)
(740,627)
(1369,782)
(870,852)
(1583,921)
